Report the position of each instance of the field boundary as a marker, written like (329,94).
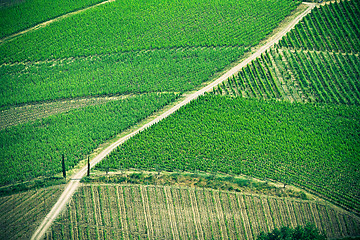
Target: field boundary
(75,180)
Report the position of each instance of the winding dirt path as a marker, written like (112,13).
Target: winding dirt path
(43,24)
(75,180)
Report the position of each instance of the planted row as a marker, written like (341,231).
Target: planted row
(332,27)
(130,212)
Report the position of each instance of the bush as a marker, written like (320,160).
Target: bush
(309,232)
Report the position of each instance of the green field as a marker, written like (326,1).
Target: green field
(333,27)
(158,212)
(289,120)
(118,48)
(169,70)
(300,76)
(25,14)
(142,25)
(314,146)
(34,149)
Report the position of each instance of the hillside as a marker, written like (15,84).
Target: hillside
(158,212)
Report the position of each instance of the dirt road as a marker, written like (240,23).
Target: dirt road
(74,183)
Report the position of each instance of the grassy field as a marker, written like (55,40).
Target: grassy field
(158,212)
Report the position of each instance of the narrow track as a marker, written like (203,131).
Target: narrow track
(75,181)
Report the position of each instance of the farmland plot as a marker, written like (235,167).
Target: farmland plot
(34,149)
(218,218)
(318,61)
(123,26)
(313,146)
(21,213)
(24,14)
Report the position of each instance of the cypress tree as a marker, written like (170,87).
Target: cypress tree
(88,171)
(63,166)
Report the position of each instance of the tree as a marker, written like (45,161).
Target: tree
(309,232)
(63,166)
(88,170)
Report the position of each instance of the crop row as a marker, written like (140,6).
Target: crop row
(23,15)
(31,112)
(302,76)
(308,145)
(34,149)
(333,27)
(137,25)
(148,212)
(21,213)
(170,70)
(257,80)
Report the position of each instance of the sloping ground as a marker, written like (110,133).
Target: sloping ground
(162,212)
(21,213)
(22,114)
(317,61)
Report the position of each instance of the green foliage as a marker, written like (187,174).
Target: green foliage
(28,13)
(333,27)
(314,146)
(35,148)
(309,232)
(138,25)
(321,77)
(172,70)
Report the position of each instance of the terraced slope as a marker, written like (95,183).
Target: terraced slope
(158,212)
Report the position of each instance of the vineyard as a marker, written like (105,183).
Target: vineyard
(172,70)
(300,76)
(314,146)
(155,50)
(158,212)
(333,27)
(17,17)
(34,149)
(31,112)
(123,26)
(21,213)
(291,116)
(317,61)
